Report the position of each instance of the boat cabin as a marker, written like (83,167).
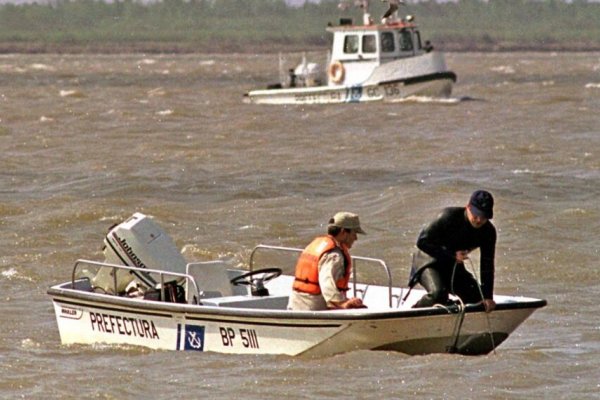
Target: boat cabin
(358,49)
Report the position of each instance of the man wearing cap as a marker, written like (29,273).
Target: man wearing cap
(324,268)
(448,240)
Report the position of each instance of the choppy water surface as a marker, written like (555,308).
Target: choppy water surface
(87,140)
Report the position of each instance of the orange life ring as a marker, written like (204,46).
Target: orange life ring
(336,72)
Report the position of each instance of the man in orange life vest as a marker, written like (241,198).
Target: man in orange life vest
(324,267)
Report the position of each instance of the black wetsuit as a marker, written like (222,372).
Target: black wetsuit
(441,239)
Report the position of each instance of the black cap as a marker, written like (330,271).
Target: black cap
(482,204)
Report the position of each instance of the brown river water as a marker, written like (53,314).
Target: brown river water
(87,140)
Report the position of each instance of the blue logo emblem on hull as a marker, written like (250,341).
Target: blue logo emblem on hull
(354,94)
(194,338)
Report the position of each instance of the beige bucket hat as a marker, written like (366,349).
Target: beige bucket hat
(347,220)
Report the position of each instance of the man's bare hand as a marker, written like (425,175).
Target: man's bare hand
(354,302)
(489,304)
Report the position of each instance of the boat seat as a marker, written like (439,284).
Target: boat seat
(211,279)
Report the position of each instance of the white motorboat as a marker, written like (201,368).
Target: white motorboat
(145,294)
(368,62)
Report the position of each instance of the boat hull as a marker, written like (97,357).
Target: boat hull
(91,318)
(434,85)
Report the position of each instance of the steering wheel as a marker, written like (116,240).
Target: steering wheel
(246,279)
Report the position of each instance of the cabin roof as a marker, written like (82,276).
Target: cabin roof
(371,28)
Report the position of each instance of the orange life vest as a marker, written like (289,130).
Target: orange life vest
(307,268)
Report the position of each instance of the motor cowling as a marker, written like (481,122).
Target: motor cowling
(137,242)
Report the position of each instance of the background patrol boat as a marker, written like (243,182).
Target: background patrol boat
(369,62)
(145,294)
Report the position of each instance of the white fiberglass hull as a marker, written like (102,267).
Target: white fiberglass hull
(92,318)
(387,92)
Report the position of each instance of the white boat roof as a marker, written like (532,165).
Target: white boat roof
(400,24)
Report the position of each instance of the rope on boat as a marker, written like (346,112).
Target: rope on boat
(461,307)
(459,318)
(457,326)
(487,317)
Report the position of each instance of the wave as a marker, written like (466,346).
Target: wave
(71,93)
(431,100)
(12,273)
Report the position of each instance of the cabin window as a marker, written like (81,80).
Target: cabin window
(369,44)
(387,42)
(406,43)
(351,44)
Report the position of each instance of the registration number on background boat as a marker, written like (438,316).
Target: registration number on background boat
(350,94)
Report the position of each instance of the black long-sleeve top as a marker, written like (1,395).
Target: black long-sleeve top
(452,232)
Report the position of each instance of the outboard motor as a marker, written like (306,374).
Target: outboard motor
(137,242)
(307,74)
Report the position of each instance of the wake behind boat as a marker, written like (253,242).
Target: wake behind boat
(145,294)
(369,62)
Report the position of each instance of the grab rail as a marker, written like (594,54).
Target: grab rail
(355,258)
(115,267)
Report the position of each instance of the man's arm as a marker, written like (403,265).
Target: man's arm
(487,263)
(329,264)
(331,269)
